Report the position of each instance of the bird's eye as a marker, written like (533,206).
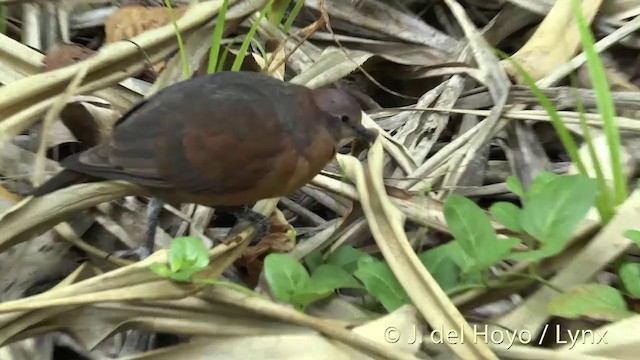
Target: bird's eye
(344,118)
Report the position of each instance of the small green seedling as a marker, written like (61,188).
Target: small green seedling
(293,284)
(633,235)
(442,263)
(596,301)
(630,276)
(290,282)
(187,256)
(553,209)
(379,281)
(630,272)
(475,235)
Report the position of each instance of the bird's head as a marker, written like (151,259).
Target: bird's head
(342,115)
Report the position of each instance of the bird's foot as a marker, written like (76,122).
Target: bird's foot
(256,219)
(141,253)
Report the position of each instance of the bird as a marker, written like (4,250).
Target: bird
(224,140)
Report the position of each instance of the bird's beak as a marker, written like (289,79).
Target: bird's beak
(368,135)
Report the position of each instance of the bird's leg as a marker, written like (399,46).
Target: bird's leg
(245,213)
(153,216)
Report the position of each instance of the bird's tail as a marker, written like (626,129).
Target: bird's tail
(62,179)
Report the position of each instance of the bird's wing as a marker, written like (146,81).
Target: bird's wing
(209,138)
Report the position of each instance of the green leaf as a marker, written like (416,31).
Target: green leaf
(292,234)
(468,224)
(464,261)
(346,257)
(633,235)
(553,214)
(502,248)
(197,253)
(514,184)
(441,265)
(285,276)
(540,183)
(473,278)
(307,297)
(381,284)
(507,214)
(473,231)
(544,252)
(596,301)
(323,282)
(366,259)
(160,269)
(176,257)
(183,275)
(188,252)
(313,260)
(331,277)
(630,276)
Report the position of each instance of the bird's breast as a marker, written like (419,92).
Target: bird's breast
(291,170)
(311,160)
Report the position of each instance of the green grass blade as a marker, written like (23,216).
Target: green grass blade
(292,16)
(223,58)
(563,133)
(183,54)
(279,10)
(242,52)
(261,49)
(604,102)
(216,40)
(604,201)
(4,18)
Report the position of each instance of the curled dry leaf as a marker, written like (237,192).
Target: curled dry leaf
(88,125)
(130,21)
(65,54)
(62,54)
(89,119)
(277,241)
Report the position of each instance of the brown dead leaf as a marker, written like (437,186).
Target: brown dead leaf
(89,120)
(271,243)
(277,241)
(130,21)
(252,258)
(133,20)
(63,54)
(278,222)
